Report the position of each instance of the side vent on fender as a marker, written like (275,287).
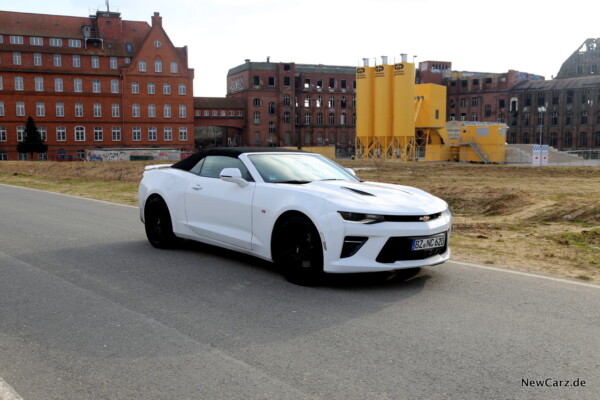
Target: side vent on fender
(357,191)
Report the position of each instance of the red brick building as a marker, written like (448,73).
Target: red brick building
(93,82)
(289,104)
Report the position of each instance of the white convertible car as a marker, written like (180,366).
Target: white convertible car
(298,209)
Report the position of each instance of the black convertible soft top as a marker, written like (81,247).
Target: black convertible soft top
(188,163)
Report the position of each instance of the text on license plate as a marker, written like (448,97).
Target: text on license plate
(428,243)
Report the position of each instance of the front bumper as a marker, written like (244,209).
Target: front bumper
(388,242)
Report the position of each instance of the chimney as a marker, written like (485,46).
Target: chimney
(156,19)
(384,60)
(366,62)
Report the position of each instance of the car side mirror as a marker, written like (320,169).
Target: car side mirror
(352,172)
(233,175)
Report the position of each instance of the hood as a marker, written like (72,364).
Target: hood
(381,197)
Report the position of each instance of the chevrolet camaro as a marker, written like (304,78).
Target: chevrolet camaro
(300,210)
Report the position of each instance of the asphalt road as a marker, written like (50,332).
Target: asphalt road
(89,310)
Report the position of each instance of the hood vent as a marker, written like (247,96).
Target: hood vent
(357,191)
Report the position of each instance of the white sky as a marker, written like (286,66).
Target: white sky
(486,36)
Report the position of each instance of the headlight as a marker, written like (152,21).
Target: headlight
(361,218)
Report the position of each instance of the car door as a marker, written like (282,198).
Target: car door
(216,209)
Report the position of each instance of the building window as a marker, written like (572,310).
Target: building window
(115,110)
(43,133)
(307,118)
(474,117)
(97,110)
(331,83)
(307,101)
(116,134)
(96,85)
(182,111)
(331,103)
(20,108)
(60,109)
(17,60)
(271,108)
(174,68)
(319,102)
(319,118)
(256,117)
(136,134)
(57,60)
(167,111)
(166,88)
(597,139)
(271,81)
(58,85)
(151,110)
(343,119)
(22,156)
(554,118)
(182,89)
(151,88)
(570,95)
(142,66)
(256,80)
(152,134)
(343,102)
(584,117)
(568,118)
(55,42)
(331,119)
(61,134)
(135,87)
(39,84)
(568,139)
(475,102)
(488,110)
(113,63)
(135,110)
(527,119)
(183,136)
(37,59)
(287,119)
(114,86)
(16,39)
(287,82)
(157,65)
(95,62)
(79,110)
(583,139)
(77,85)
(286,100)
(168,133)
(20,133)
(40,109)
(76,61)
(75,43)
(80,134)
(98,134)
(553,139)
(1,109)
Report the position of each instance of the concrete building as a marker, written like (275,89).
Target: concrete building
(301,105)
(92,82)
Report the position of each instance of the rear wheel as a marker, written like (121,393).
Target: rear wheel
(159,228)
(297,250)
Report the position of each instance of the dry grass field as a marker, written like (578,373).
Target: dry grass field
(544,220)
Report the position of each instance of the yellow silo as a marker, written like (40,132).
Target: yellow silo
(383,103)
(404,99)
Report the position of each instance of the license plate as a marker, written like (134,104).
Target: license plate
(428,243)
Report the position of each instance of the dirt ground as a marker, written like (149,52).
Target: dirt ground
(544,219)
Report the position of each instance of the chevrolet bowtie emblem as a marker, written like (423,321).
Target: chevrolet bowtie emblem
(425,218)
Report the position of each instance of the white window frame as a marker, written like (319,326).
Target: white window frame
(157,65)
(20,133)
(166,88)
(135,87)
(135,110)
(75,43)
(114,86)
(168,133)
(3,136)
(61,134)
(141,66)
(78,110)
(174,68)
(40,109)
(183,134)
(98,134)
(1,109)
(14,39)
(116,133)
(96,86)
(58,85)
(17,58)
(151,88)
(167,111)
(55,42)
(182,89)
(56,60)
(80,133)
(95,62)
(136,134)
(60,110)
(76,61)
(77,85)
(152,134)
(37,59)
(182,111)
(113,63)
(97,110)
(115,110)
(20,108)
(151,110)
(39,84)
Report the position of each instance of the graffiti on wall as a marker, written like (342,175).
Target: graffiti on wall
(132,155)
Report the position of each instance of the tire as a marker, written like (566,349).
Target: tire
(297,251)
(159,228)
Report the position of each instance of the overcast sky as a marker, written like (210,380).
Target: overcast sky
(533,36)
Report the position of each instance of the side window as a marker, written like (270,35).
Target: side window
(197,167)
(211,166)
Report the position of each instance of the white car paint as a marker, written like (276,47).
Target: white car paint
(242,217)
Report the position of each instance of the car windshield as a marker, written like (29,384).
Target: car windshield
(298,168)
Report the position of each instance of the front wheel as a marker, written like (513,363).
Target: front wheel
(297,251)
(159,228)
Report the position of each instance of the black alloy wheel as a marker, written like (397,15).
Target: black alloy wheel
(298,252)
(159,228)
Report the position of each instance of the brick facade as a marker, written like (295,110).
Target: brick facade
(93,82)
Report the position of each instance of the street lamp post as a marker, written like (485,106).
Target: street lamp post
(541,111)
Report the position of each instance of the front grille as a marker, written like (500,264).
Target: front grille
(411,218)
(399,249)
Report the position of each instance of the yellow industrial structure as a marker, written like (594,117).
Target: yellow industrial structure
(398,119)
